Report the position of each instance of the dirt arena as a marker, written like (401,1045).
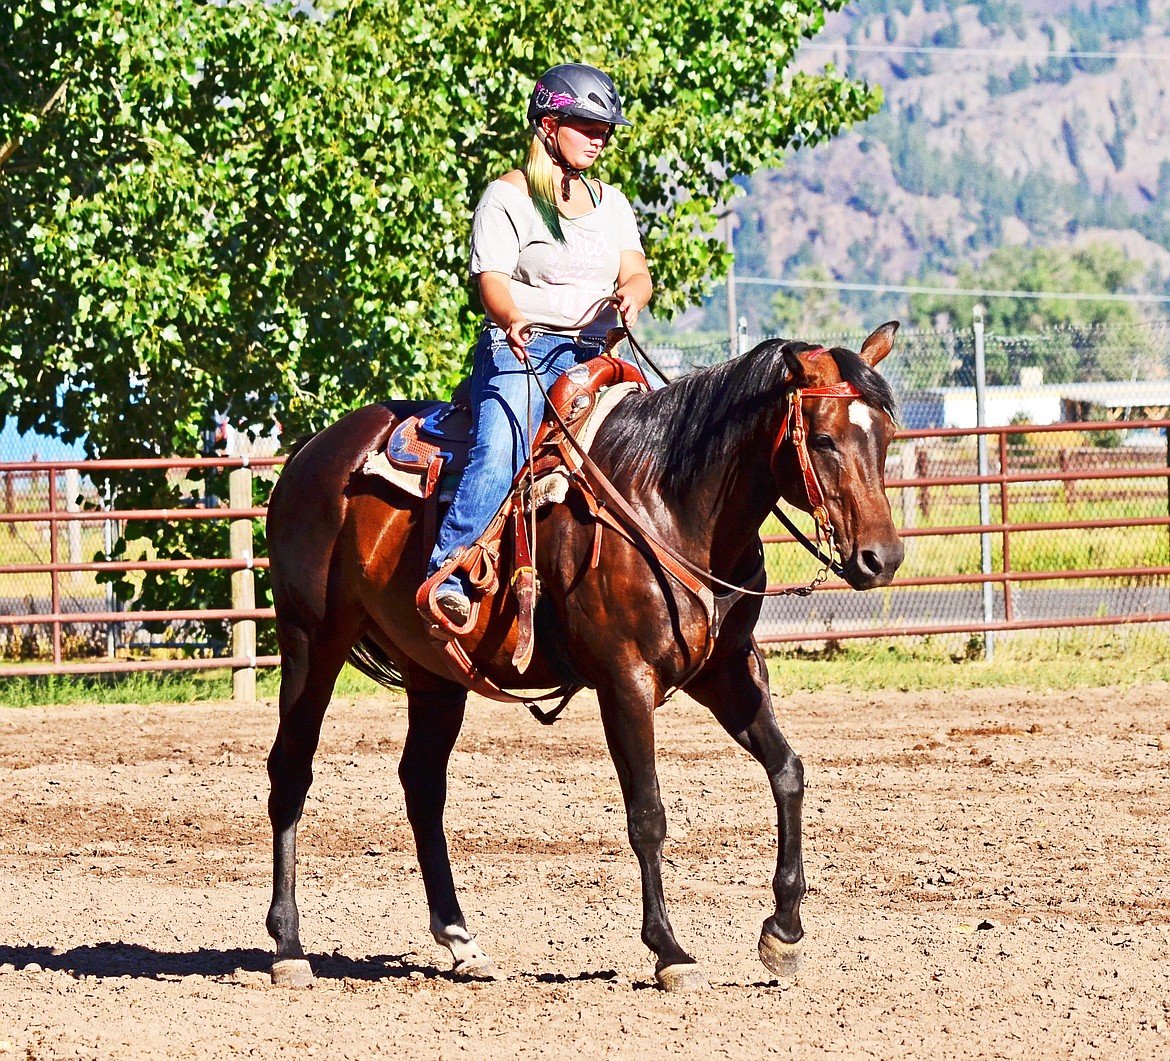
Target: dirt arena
(988,878)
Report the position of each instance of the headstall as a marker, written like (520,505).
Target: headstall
(793,427)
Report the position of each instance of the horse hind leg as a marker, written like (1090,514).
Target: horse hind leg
(435,715)
(309,672)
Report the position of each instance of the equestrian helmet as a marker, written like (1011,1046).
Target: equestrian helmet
(579,90)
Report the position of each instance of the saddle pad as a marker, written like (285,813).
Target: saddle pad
(443,429)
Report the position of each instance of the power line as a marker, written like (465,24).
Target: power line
(999,53)
(899,289)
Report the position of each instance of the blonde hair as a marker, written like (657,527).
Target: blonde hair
(542,187)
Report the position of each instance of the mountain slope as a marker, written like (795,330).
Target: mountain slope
(1003,124)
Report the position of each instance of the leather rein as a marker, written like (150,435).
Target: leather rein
(793,428)
(812,487)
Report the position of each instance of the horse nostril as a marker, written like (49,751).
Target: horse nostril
(871,562)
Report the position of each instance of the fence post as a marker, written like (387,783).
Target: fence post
(984,488)
(73,528)
(10,499)
(732,312)
(922,471)
(243,587)
(909,467)
(55,575)
(109,536)
(1062,459)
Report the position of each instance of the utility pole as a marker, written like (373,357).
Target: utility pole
(732,312)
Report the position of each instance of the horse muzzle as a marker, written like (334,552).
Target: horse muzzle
(871,565)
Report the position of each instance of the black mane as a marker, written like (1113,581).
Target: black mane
(670,437)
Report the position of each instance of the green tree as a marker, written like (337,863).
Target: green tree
(264,208)
(230,200)
(807,313)
(1099,268)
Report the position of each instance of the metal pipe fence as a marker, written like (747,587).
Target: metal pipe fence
(1079,536)
(1030,481)
(40,527)
(1050,564)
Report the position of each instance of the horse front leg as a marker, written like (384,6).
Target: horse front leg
(628,718)
(736,692)
(435,712)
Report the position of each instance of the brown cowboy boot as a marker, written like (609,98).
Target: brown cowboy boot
(455,606)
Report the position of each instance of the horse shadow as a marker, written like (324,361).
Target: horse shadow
(108,959)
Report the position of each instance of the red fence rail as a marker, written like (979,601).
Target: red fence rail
(239,514)
(1024,467)
(927,482)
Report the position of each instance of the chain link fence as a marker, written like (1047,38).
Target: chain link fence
(31,547)
(1118,374)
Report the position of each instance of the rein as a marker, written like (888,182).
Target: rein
(600,483)
(812,487)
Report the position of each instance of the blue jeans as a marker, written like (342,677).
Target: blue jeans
(501,395)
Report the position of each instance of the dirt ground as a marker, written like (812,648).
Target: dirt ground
(988,878)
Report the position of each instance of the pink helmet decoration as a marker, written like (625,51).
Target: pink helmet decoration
(576,89)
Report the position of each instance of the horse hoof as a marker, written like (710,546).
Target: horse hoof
(476,969)
(779,957)
(679,979)
(292,972)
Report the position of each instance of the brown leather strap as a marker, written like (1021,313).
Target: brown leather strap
(524,590)
(467,672)
(794,428)
(609,507)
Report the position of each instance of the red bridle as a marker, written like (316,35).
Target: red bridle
(794,426)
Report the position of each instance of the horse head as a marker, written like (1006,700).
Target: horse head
(842,419)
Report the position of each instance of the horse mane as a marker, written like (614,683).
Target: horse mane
(671,436)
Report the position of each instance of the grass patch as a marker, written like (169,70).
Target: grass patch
(1040,660)
(155,687)
(1080,658)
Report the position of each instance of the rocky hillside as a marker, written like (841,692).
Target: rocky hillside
(1004,123)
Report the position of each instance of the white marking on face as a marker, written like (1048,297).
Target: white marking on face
(861,415)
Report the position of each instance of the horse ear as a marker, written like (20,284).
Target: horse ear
(797,369)
(879,343)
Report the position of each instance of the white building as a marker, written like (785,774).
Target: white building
(1041,403)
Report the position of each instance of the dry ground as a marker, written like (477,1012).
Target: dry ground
(988,877)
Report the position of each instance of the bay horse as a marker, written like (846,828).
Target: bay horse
(701,461)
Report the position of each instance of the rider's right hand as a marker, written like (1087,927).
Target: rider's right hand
(517,334)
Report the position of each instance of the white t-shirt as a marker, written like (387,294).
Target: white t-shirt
(554,284)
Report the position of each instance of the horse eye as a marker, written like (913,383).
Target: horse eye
(824,442)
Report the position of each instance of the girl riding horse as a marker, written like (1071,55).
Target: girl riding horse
(548,245)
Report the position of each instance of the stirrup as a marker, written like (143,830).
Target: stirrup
(428,607)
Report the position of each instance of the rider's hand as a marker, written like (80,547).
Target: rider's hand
(517,334)
(627,307)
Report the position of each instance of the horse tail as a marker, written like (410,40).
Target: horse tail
(299,445)
(367,657)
